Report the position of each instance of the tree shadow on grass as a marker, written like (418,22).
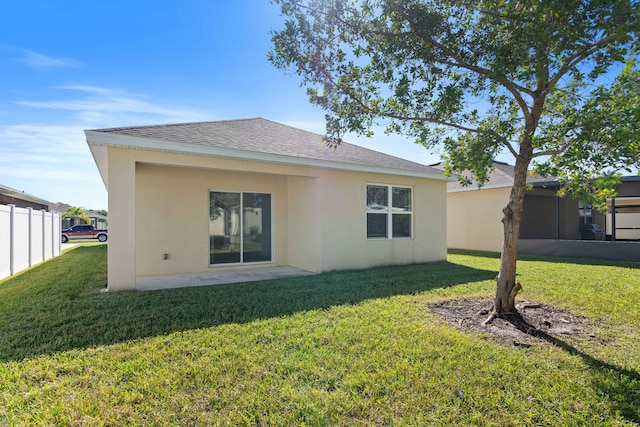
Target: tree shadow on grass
(620,385)
(58,305)
(551,259)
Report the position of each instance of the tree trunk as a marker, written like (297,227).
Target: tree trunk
(507,287)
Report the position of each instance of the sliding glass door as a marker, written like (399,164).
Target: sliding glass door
(239,227)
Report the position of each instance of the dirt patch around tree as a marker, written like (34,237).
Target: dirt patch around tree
(536,324)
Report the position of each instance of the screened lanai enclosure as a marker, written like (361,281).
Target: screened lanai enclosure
(567,227)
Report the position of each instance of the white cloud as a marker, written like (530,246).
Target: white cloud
(39,61)
(102,107)
(96,90)
(48,151)
(53,161)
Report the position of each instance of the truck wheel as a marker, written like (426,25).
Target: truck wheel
(102,238)
(65,239)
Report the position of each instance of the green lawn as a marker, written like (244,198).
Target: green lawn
(342,348)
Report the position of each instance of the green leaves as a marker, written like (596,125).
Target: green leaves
(596,139)
(526,77)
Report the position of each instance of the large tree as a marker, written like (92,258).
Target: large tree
(552,82)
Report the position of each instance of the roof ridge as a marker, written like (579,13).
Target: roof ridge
(498,167)
(176,124)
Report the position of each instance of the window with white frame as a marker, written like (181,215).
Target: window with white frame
(389,212)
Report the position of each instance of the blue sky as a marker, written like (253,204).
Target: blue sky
(75,65)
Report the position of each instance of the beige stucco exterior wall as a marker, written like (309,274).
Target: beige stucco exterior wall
(172,215)
(304,219)
(474,219)
(121,255)
(159,203)
(344,227)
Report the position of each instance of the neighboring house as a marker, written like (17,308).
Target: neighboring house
(97,220)
(196,197)
(20,199)
(474,216)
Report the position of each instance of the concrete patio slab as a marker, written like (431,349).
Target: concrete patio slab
(217,277)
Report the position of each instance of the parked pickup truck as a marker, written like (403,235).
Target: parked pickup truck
(85,231)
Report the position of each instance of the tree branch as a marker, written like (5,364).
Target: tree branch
(512,87)
(574,60)
(548,153)
(552,152)
(511,148)
(391,115)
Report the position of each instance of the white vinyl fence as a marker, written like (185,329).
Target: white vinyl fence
(27,237)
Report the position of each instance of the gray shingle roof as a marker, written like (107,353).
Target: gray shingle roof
(21,195)
(265,136)
(501,175)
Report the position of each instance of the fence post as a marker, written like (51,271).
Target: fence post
(53,234)
(59,234)
(44,237)
(12,243)
(29,248)
(613,219)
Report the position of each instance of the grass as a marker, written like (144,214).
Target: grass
(350,348)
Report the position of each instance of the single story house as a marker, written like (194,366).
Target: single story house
(97,219)
(474,217)
(20,199)
(236,194)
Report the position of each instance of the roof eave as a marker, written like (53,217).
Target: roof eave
(97,138)
(17,194)
(484,187)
